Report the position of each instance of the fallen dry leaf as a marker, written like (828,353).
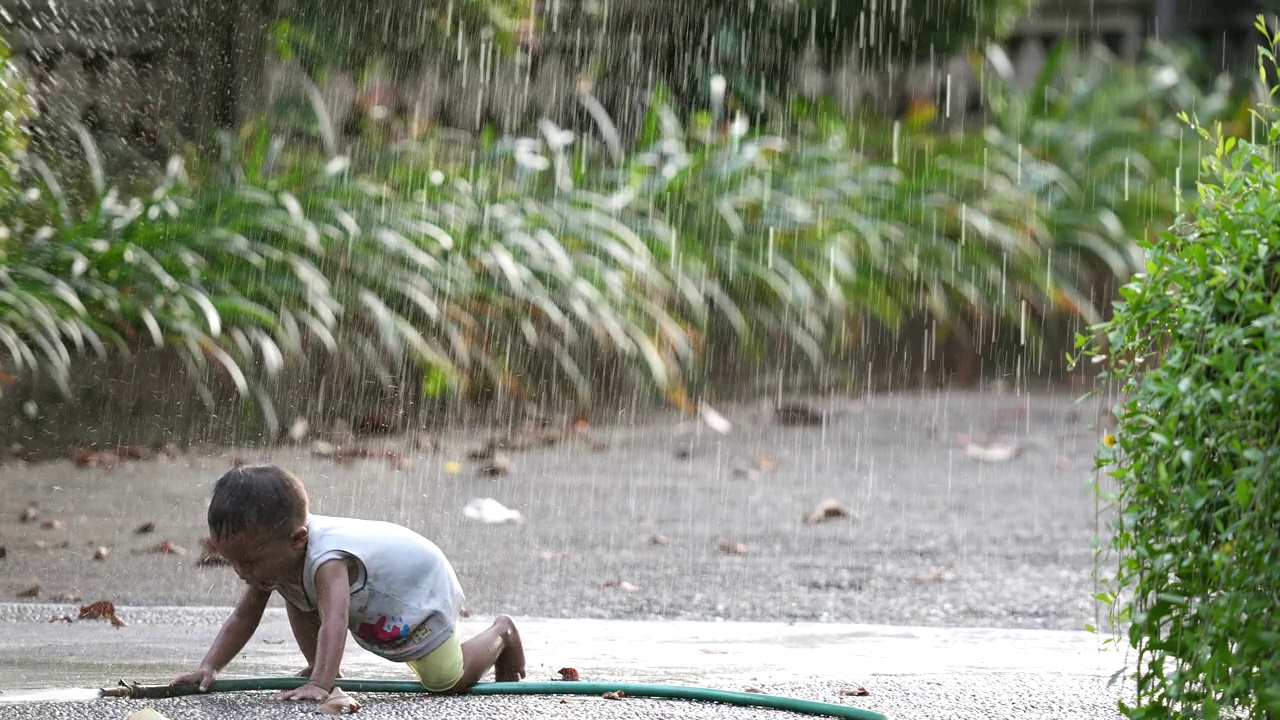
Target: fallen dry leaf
(168,547)
(659,540)
(618,695)
(859,692)
(754,690)
(620,584)
(568,674)
(30,514)
(67,598)
(52,525)
(101,553)
(145,528)
(731,548)
(110,457)
(766,462)
(797,416)
(359,451)
(940,576)
(338,703)
(45,544)
(746,473)
(498,466)
(86,457)
(829,509)
(30,592)
(101,610)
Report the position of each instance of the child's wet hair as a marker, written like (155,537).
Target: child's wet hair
(260,498)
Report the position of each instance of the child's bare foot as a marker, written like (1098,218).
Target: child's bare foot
(510,664)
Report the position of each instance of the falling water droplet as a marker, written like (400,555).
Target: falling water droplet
(1126,178)
(897,139)
(1177,189)
(1022,324)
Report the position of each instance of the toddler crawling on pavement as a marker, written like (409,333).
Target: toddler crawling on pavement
(392,588)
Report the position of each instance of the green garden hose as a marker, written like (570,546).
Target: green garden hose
(678,692)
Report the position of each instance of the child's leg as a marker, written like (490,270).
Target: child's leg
(497,647)
(306,630)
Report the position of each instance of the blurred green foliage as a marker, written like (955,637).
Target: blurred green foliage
(15,109)
(531,263)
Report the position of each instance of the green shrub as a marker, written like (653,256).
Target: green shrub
(1195,341)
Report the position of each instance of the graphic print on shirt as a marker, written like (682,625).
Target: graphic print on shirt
(384,629)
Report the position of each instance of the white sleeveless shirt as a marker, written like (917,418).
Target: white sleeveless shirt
(405,596)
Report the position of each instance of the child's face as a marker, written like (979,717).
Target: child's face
(263,560)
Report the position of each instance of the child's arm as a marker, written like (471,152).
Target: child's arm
(334,595)
(232,638)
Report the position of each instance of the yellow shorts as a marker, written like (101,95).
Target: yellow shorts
(440,669)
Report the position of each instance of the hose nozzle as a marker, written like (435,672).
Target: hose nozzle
(123,690)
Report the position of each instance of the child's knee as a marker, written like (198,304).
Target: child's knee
(442,669)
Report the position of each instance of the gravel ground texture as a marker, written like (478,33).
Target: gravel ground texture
(960,511)
(670,519)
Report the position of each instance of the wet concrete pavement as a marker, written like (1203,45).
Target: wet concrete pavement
(938,538)
(995,673)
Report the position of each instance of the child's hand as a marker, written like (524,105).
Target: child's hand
(310,691)
(205,676)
